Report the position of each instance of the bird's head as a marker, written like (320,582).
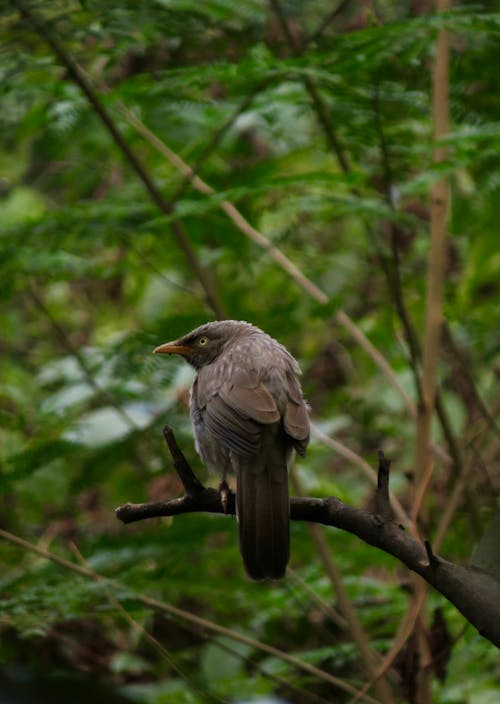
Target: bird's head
(204,344)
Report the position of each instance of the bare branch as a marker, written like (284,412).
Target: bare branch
(368,471)
(475,594)
(433,560)
(189,480)
(367,654)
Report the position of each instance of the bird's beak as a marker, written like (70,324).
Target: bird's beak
(172,348)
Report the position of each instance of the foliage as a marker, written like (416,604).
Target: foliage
(92,279)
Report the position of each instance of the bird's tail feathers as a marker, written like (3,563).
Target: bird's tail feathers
(263,508)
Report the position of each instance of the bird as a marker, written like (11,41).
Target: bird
(248,415)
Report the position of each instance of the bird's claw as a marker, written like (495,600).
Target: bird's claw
(224,491)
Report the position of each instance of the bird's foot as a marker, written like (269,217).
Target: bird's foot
(224,492)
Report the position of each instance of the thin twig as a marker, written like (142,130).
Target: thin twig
(420,492)
(77,355)
(368,471)
(382,500)
(314,36)
(189,480)
(231,211)
(433,560)
(220,133)
(376,356)
(437,256)
(176,612)
(322,605)
(167,208)
(311,87)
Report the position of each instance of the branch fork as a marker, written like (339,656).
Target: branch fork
(475,594)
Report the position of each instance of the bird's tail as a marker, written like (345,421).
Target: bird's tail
(263,509)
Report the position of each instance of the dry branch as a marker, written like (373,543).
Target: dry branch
(437,256)
(368,656)
(474,593)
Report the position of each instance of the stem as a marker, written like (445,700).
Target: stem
(198,621)
(433,321)
(179,232)
(437,258)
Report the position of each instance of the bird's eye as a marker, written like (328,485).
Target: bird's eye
(202,341)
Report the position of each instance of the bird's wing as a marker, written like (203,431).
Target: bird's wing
(235,405)
(242,435)
(250,397)
(296,417)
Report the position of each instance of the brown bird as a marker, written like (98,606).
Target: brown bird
(248,414)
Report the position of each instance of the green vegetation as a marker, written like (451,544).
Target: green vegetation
(320,134)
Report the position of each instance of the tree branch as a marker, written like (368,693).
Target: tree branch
(204,275)
(389,264)
(326,21)
(474,593)
(434,316)
(183,615)
(231,211)
(369,657)
(319,107)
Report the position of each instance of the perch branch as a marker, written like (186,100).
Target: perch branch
(474,593)
(368,656)
(189,480)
